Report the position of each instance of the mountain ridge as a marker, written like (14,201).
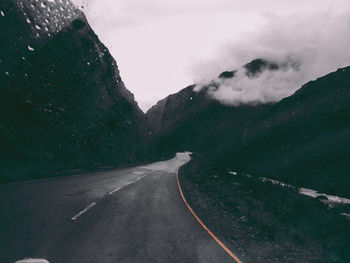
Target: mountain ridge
(289,140)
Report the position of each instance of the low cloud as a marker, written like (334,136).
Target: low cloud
(267,87)
(319,43)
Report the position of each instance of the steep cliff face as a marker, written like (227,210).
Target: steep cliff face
(63,104)
(303,139)
(169,112)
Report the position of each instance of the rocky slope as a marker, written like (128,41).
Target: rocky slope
(63,104)
(303,139)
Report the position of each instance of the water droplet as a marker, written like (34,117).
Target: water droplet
(2,13)
(30,48)
(38,27)
(28,21)
(43,4)
(7,73)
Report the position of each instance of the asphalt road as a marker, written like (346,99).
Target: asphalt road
(125,215)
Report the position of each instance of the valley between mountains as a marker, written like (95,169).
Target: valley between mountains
(87,176)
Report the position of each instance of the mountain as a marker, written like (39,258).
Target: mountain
(167,113)
(63,105)
(192,120)
(303,139)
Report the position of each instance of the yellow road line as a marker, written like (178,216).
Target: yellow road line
(204,226)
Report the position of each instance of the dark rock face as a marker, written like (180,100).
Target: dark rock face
(259,65)
(169,112)
(303,139)
(63,104)
(227,75)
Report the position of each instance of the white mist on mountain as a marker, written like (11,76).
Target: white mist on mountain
(319,43)
(269,86)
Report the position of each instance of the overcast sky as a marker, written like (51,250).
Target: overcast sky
(161,46)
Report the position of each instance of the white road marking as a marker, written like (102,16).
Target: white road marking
(128,183)
(32,260)
(115,190)
(110,193)
(83,211)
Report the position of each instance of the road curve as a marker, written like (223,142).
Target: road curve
(125,215)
